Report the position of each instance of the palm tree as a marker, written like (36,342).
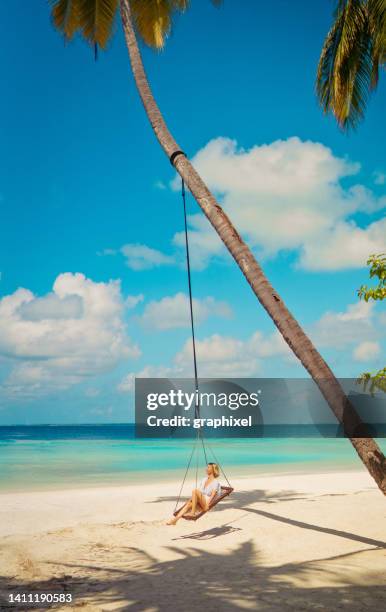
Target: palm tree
(353,52)
(152,20)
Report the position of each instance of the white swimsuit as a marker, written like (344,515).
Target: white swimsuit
(214,485)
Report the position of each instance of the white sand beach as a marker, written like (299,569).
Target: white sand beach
(295,542)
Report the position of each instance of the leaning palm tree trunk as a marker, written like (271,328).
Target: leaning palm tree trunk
(293,334)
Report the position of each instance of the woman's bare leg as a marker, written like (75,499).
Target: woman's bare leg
(181,513)
(194,500)
(198,498)
(184,509)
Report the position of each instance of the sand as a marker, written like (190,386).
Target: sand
(294,542)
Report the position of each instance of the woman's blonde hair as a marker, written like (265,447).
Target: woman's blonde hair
(216,469)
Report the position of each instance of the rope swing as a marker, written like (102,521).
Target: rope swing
(199,442)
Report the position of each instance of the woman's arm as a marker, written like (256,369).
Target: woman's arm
(212,496)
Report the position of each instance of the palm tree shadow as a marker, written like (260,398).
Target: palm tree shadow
(336,532)
(240,499)
(195,579)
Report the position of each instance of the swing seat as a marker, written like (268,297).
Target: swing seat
(225,491)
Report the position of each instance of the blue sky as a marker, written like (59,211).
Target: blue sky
(81,176)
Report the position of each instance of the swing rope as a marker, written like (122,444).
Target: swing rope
(219,465)
(197,406)
(200,436)
(186,473)
(183,193)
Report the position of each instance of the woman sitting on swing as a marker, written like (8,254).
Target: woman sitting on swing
(206,493)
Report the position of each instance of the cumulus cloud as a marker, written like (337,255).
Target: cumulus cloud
(355,329)
(76,331)
(367,351)
(52,307)
(133,300)
(127,383)
(218,355)
(141,257)
(227,356)
(204,242)
(173,311)
(341,329)
(288,195)
(343,246)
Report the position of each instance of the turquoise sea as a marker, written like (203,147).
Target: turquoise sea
(57,456)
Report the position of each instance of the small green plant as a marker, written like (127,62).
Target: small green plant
(374,380)
(378,269)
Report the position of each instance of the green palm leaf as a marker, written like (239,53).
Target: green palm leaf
(348,65)
(153,19)
(64,14)
(377,16)
(94,19)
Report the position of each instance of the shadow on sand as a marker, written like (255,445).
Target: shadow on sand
(128,578)
(230,582)
(242,500)
(239,499)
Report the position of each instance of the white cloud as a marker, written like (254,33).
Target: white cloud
(173,311)
(160,185)
(343,246)
(107,252)
(133,300)
(379,178)
(227,356)
(357,328)
(341,329)
(104,411)
(366,351)
(218,355)
(204,242)
(142,257)
(92,392)
(52,307)
(288,195)
(127,383)
(75,332)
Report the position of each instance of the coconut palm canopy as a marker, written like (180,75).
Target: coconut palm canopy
(353,52)
(94,19)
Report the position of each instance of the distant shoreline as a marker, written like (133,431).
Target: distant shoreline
(165,477)
(36,458)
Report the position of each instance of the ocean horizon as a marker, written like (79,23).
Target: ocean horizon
(57,456)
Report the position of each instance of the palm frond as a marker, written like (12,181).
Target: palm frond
(153,19)
(377,20)
(346,66)
(96,20)
(64,15)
